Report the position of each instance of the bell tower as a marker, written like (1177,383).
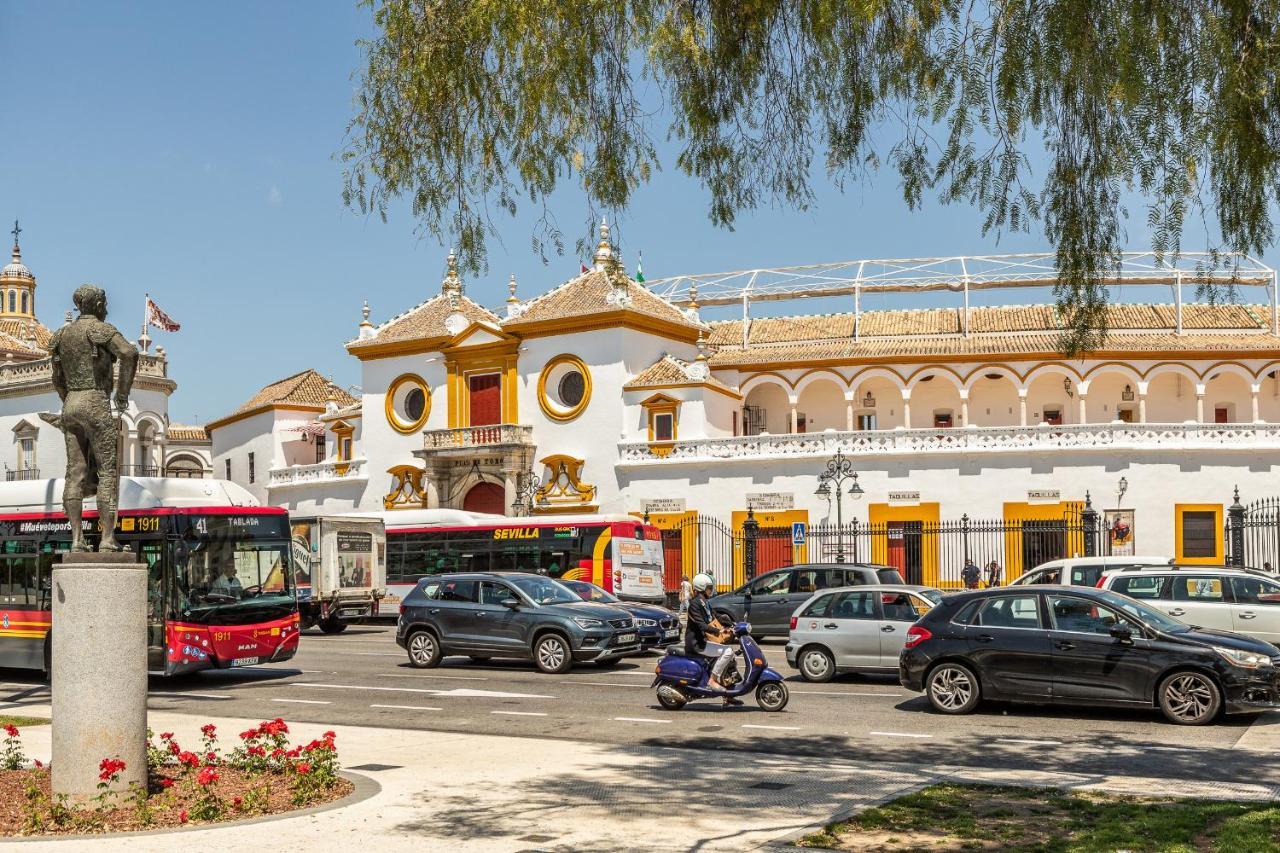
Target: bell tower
(17,285)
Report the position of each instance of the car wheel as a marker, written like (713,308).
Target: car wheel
(552,654)
(1190,698)
(953,689)
(816,664)
(424,650)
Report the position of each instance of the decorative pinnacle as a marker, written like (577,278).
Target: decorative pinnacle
(364,314)
(693,295)
(452,281)
(511,290)
(702,345)
(604,251)
(67,319)
(17,229)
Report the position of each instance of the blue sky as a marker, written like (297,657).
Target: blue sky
(188,151)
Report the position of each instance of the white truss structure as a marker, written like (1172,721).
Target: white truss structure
(958,274)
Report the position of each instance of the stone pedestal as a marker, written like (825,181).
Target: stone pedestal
(99,671)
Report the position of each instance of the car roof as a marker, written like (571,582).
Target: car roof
(801,566)
(471,576)
(1220,570)
(878,587)
(1145,560)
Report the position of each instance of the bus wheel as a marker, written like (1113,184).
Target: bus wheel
(424,651)
(333,625)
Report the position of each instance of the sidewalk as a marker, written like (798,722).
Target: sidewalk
(461,792)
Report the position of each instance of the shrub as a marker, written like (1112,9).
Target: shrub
(12,756)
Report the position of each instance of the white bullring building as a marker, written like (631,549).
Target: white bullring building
(613,396)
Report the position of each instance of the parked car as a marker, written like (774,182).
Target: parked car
(1225,599)
(657,627)
(1082,646)
(775,595)
(510,615)
(1083,571)
(855,628)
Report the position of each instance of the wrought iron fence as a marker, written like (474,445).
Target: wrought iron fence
(1252,533)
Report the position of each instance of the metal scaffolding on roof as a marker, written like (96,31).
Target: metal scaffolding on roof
(958,274)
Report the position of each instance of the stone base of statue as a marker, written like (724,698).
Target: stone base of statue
(99,671)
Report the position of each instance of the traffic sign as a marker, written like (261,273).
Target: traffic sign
(797,532)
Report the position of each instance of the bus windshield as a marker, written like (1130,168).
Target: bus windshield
(230,573)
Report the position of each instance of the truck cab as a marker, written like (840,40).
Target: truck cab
(340,569)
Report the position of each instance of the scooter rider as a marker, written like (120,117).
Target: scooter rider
(703,624)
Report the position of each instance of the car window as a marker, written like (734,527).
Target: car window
(819,606)
(1010,611)
(458,591)
(1141,586)
(1081,616)
(494,593)
(967,613)
(1201,588)
(902,607)
(885,576)
(812,580)
(1255,591)
(853,605)
(1085,575)
(776,584)
(430,590)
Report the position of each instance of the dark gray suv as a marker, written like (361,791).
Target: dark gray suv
(777,594)
(510,615)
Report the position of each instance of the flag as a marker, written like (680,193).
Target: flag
(585,269)
(640,267)
(159,319)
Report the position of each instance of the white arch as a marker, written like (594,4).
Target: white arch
(919,376)
(1233,370)
(1060,369)
(764,379)
(1174,367)
(155,419)
(1113,367)
(877,373)
(822,374)
(981,373)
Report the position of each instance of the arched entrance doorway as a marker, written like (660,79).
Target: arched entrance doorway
(485,497)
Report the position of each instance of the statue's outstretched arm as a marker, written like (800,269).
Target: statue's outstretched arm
(127,355)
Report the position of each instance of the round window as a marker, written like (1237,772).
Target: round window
(572,388)
(408,403)
(564,388)
(415,403)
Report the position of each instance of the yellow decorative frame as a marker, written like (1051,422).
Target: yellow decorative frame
(1179,510)
(564,486)
(407,490)
(550,409)
(389,402)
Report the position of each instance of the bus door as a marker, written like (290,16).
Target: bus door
(24,606)
(152,552)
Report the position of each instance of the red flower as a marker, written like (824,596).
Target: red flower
(208,729)
(109,768)
(303,767)
(166,736)
(211,758)
(166,783)
(236,802)
(277,752)
(259,751)
(249,735)
(11,730)
(207,776)
(174,749)
(329,736)
(190,759)
(294,753)
(39,763)
(182,816)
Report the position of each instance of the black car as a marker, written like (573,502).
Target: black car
(656,626)
(1083,646)
(510,615)
(776,594)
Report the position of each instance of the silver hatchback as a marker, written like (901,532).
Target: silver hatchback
(855,629)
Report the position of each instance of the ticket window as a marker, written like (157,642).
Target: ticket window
(1052,416)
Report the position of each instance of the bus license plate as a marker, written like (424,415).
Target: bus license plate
(244,661)
(626,638)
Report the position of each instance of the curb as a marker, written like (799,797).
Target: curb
(365,788)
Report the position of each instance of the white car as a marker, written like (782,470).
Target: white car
(855,628)
(1240,600)
(1084,571)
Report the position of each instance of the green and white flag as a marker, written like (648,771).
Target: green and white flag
(640,267)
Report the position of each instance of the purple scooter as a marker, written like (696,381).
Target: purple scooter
(682,679)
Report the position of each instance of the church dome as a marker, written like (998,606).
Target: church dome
(16,270)
(17,284)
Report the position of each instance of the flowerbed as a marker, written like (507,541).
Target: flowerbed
(263,774)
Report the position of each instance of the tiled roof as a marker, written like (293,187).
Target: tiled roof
(307,388)
(425,320)
(667,371)
(19,329)
(183,432)
(352,411)
(588,294)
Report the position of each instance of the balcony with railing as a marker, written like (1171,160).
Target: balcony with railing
(905,442)
(323,472)
(12,476)
(477,437)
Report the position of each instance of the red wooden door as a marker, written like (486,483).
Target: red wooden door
(486,399)
(485,497)
(672,558)
(1220,415)
(897,551)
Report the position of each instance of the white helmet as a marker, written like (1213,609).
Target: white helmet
(702,581)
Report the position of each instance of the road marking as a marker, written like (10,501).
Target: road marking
(605,684)
(1028,741)
(897,734)
(641,720)
(409,707)
(376,654)
(520,713)
(414,675)
(773,728)
(457,691)
(301,701)
(847,693)
(194,695)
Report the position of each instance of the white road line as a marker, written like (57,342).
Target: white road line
(898,734)
(193,695)
(376,654)
(424,675)
(641,720)
(301,701)
(520,713)
(848,693)
(409,707)
(773,728)
(457,691)
(1029,741)
(605,684)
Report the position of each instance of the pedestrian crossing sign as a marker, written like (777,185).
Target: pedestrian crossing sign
(797,532)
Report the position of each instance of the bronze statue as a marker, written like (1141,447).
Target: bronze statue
(84,354)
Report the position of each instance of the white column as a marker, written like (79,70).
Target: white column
(848,414)
(964,407)
(795,419)
(1142,402)
(1253,400)
(1199,406)
(906,409)
(1083,415)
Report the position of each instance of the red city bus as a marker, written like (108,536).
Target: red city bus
(617,552)
(220,589)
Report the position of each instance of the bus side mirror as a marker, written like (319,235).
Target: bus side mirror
(511,603)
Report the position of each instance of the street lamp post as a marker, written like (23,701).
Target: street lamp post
(839,470)
(527,485)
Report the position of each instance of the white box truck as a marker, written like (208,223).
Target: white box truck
(340,569)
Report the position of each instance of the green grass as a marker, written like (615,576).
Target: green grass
(1050,820)
(10,720)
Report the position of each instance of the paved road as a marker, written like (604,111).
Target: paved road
(362,678)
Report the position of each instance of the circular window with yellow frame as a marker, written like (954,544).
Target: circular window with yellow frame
(408,403)
(564,388)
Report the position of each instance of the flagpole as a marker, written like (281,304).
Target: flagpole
(143,339)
